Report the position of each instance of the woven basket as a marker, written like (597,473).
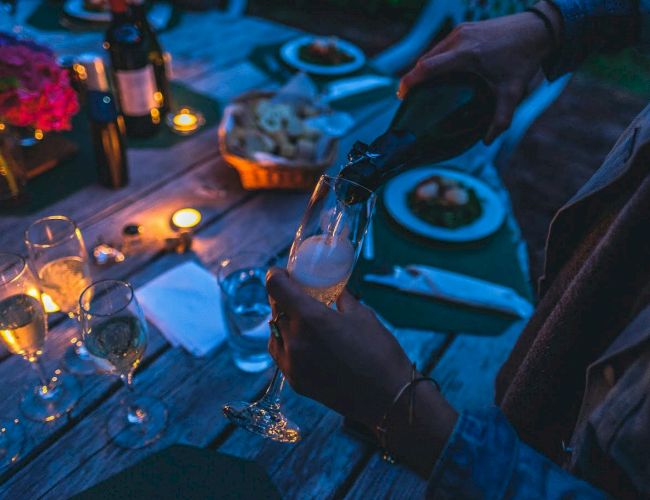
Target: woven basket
(288,174)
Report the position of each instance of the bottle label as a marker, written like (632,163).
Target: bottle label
(137,88)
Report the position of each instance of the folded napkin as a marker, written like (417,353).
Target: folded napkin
(454,287)
(185,305)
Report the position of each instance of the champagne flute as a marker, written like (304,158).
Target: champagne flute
(22,329)
(326,247)
(115,332)
(58,256)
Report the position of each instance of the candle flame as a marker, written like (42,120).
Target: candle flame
(186,218)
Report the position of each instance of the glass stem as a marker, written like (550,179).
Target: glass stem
(134,414)
(272,395)
(45,389)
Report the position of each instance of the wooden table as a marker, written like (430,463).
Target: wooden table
(72,453)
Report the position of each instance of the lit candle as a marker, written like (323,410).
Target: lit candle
(185,219)
(185,121)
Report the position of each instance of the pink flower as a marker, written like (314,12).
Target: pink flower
(34,90)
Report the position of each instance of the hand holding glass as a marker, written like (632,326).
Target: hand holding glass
(322,257)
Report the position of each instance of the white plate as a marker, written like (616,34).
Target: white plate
(290,51)
(396,194)
(76,8)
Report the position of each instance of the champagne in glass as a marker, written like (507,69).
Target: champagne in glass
(23,328)
(324,251)
(63,280)
(59,258)
(322,266)
(22,325)
(115,332)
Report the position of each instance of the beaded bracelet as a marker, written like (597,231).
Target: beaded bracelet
(382,427)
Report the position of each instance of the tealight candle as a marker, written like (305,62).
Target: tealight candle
(185,218)
(186,121)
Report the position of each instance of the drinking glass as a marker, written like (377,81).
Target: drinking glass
(326,247)
(115,332)
(58,256)
(246,309)
(23,328)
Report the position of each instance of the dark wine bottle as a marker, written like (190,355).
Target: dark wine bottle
(106,123)
(155,54)
(438,119)
(133,73)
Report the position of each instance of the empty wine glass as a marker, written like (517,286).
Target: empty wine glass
(58,256)
(115,332)
(322,257)
(23,328)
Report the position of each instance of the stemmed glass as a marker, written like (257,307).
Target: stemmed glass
(23,328)
(58,256)
(115,332)
(322,257)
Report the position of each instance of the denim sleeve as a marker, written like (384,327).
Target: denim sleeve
(597,25)
(484,458)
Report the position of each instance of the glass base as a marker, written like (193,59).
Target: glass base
(11,442)
(137,430)
(263,419)
(62,395)
(78,361)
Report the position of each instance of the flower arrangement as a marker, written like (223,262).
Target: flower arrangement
(34,90)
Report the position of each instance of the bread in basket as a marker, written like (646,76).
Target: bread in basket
(269,140)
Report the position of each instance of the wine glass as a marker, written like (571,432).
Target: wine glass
(23,328)
(115,332)
(322,257)
(58,256)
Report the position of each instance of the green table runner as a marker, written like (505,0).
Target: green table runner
(267,58)
(79,170)
(493,259)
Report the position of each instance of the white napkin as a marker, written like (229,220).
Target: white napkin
(185,305)
(447,285)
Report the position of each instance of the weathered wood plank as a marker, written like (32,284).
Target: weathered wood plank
(468,368)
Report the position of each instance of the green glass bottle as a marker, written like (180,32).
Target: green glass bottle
(438,119)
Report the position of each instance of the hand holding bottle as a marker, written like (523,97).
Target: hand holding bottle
(507,52)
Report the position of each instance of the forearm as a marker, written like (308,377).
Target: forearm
(418,443)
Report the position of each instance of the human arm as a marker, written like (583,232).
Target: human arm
(510,51)
(348,361)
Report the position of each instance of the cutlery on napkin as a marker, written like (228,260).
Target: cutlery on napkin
(185,305)
(441,284)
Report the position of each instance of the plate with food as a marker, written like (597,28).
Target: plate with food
(322,55)
(444,204)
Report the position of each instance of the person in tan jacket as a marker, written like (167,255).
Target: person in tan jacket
(573,399)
